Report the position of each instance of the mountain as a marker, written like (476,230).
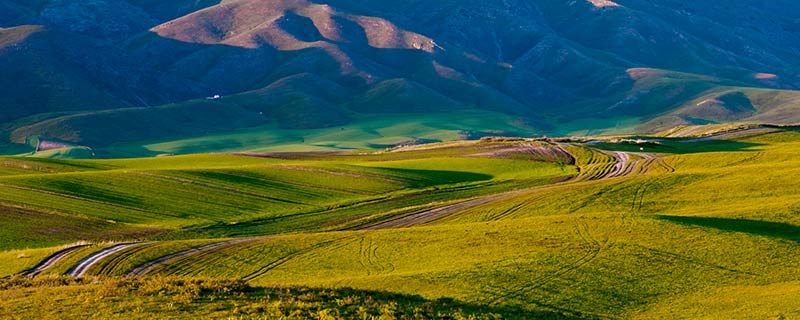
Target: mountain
(102,72)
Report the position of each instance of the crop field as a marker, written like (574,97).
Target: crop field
(699,226)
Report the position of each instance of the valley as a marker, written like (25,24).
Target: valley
(415,159)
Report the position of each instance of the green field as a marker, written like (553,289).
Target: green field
(664,227)
(366,131)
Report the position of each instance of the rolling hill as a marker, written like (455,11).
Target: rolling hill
(416,159)
(138,72)
(697,221)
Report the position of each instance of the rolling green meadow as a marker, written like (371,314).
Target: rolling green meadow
(414,159)
(698,225)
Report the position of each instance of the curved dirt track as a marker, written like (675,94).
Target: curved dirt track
(621,162)
(623,166)
(79,270)
(433,214)
(147,267)
(50,261)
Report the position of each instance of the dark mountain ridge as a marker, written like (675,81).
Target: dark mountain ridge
(310,64)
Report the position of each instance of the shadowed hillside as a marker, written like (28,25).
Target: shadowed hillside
(558,67)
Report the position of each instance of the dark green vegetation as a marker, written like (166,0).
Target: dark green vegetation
(699,227)
(139,78)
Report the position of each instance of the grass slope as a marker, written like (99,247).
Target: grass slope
(705,228)
(224,195)
(212,298)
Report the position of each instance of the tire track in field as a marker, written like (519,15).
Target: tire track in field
(331,244)
(217,187)
(621,162)
(117,259)
(755,157)
(622,166)
(594,248)
(638,197)
(149,266)
(426,216)
(188,265)
(368,257)
(296,184)
(594,245)
(365,266)
(664,164)
(358,175)
(50,261)
(69,196)
(80,269)
(509,211)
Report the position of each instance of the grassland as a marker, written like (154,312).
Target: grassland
(697,228)
(55,202)
(212,298)
(366,132)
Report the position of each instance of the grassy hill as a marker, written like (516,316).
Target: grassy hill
(703,226)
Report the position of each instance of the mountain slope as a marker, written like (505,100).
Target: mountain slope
(558,66)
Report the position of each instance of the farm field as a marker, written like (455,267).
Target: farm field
(694,222)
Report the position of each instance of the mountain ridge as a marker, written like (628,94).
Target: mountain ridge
(545,62)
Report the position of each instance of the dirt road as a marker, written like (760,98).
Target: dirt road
(51,261)
(433,214)
(79,270)
(623,166)
(622,159)
(147,267)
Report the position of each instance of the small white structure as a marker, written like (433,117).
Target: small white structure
(214,97)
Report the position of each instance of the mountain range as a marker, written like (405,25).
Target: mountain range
(111,74)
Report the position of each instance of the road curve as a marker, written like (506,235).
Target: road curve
(48,262)
(79,270)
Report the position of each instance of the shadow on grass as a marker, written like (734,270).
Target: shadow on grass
(417,178)
(406,306)
(775,230)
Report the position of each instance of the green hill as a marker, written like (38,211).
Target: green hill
(608,227)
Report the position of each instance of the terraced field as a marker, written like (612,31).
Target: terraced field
(647,227)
